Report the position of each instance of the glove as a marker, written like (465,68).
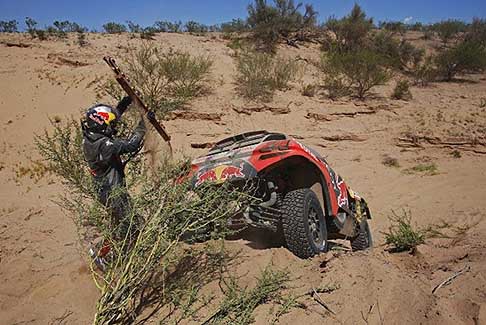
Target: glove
(151,116)
(123,104)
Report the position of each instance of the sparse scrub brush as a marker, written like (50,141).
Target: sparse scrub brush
(284,71)
(152,267)
(357,72)
(31,26)
(239,303)
(402,235)
(449,29)
(399,55)
(82,39)
(9,26)
(402,90)
(466,56)
(269,23)
(260,74)
(351,31)
(309,90)
(476,32)
(336,86)
(424,73)
(114,28)
(167,80)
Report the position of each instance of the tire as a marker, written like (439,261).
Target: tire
(303,223)
(363,240)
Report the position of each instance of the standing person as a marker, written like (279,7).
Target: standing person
(102,151)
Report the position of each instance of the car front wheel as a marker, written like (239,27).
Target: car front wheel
(303,223)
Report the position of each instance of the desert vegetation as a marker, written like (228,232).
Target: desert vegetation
(346,79)
(166,80)
(261,74)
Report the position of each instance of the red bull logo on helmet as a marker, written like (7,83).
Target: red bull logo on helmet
(220,174)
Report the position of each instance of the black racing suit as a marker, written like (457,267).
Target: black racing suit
(103,153)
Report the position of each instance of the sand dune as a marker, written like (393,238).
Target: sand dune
(45,280)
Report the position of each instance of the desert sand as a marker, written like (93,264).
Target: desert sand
(45,279)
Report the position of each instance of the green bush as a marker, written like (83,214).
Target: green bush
(194,27)
(157,268)
(31,26)
(400,55)
(163,26)
(133,27)
(477,31)
(449,29)
(393,27)
(268,23)
(466,56)
(356,72)
(428,35)
(235,26)
(114,28)
(336,86)
(148,33)
(167,80)
(81,38)
(402,235)
(260,74)
(9,26)
(41,34)
(402,90)
(351,31)
(418,26)
(425,72)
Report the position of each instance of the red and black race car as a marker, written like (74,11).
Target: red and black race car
(301,196)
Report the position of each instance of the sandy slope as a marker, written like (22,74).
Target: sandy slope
(45,279)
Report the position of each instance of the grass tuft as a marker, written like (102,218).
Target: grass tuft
(402,235)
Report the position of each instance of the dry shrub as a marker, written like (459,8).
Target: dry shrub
(424,73)
(465,57)
(390,161)
(309,90)
(166,80)
(149,266)
(336,87)
(261,74)
(353,72)
(402,90)
(401,55)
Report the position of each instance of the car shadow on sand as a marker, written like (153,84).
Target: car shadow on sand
(262,239)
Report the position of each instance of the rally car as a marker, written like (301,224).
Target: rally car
(298,193)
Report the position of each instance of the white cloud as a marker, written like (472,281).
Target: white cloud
(408,19)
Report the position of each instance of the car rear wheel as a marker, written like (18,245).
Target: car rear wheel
(303,223)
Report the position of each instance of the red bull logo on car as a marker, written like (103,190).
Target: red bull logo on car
(220,174)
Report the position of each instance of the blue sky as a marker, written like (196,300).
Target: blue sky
(94,14)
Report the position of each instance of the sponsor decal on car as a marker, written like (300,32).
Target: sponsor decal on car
(220,174)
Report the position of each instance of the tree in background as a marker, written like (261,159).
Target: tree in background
(477,31)
(466,56)
(163,26)
(448,29)
(134,28)
(235,26)
(9,26)
(393,27)
(194,27)
(114,28)
(31,26)
(350,31)
(269,23)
